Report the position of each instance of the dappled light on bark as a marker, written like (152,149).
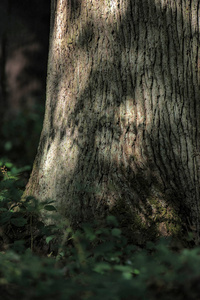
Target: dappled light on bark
(121,126)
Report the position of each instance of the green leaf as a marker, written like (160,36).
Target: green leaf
(127,275)
(123,268)
(5,217)
(126,271)
(8,164)
(89,232)
(116,232)
(50,208)
(19,222)
(49,238)
(8,145)
(20,170)
(111,220)
(6,184)
(102,267)
(136,271)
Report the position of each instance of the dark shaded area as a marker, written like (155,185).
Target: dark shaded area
(74,6)
(24,38)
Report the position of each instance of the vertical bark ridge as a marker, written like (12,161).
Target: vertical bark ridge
(122,113)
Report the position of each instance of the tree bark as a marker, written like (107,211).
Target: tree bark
(121,130)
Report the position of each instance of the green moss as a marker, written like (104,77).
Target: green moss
(166,216)
(153,220)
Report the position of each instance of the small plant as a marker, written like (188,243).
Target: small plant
(19,219)
(92,263)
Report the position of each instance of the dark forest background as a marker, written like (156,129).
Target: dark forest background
(24,38)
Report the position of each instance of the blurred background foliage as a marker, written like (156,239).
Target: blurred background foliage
(24,38)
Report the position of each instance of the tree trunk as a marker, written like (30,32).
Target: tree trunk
(121,132)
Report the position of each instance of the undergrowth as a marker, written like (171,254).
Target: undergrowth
(91,263)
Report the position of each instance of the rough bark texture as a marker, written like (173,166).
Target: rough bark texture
(122,123)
